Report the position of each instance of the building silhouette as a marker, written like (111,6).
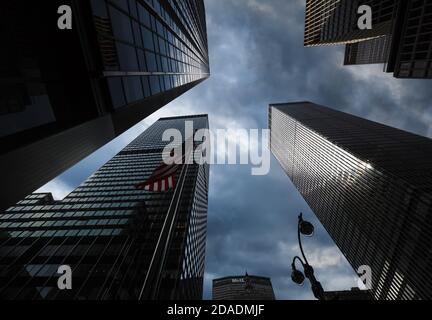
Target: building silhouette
(243,288)
(400,38)
(120,242)
(353,294)
(65,93)
(370,185)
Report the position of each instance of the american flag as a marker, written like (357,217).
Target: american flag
(164,177)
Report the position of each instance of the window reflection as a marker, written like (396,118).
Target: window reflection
(121,25)
(116,90)
(147,37)
(146,86)
(154,84)
(151,61)
(127,57)
(133,89)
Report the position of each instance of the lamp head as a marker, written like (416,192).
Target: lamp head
(306,228)
(297,277)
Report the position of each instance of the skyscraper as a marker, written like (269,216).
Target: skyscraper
(65,93)
(243,288)
(335,21)
(400,38)
(370,185)
(119,241)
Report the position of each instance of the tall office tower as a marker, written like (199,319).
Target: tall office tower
(367,52)
(400,38)
(335,21)
(119,241)
(66,92)
(370,185)
(243,288)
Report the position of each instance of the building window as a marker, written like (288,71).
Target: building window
(121,25)
(127,57)
(133,89)
(116,90)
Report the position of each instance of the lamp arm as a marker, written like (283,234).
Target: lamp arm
(300,219)
(299,259)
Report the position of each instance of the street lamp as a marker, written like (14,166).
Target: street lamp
(307,229)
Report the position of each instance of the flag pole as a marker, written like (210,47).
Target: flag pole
(150,288)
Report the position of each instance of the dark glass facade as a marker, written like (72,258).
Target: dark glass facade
(65,93)
(415,57)
(335,21)
(370,185)
(401,34)
(108,232)
(367,52)
(243,288)
(149,47)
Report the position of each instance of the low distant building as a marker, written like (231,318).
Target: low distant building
(243,288)
(353,294)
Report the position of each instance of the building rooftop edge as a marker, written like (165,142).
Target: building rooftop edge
(242,276)
(203,115)
(285,103)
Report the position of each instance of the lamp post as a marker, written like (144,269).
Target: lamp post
(307,229)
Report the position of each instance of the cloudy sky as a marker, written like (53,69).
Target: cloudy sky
(257,58)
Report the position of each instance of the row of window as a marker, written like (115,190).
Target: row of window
(68,214)
(65,233)
(37,196)
(146,31)
(111,183)
(130,89)
(118,177)
(80,193)
(137,59)
(31,201)
(66,223)
(71,206)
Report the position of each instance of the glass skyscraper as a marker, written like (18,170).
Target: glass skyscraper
(65,93)
(335,21)
(120,242)
(400,37)
(370,185)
